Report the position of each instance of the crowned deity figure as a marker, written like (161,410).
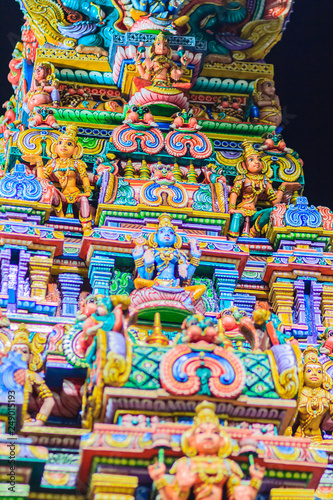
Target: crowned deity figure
(160,75)
(32,381)
(64,168)
(43,91)
(247,188)
(315,401)
(206,467)
(163,265)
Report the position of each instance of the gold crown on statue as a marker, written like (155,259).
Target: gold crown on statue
(47,65)
(71,133)
(164,220)
(310,355)
(50,66)
(161,38)
(205,413)
(21,336)
(248,150)
(261,81)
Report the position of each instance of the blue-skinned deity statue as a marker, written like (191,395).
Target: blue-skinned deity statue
(163,265)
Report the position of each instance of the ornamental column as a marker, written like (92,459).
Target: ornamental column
(106,486)
(327,305)
(22,272)
(40,269)
(299,287)
(281,296)
(225,281)
(291,493)
(101,271)
(70,285)
(315,300)
(5,254)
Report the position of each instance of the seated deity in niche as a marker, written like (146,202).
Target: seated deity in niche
(246,190)
(43,92)
(64,168)
(159,76)
(164,266)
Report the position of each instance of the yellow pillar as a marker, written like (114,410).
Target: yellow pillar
(40,268)
(291,494)
(327,305)
(281,296)
(112,487)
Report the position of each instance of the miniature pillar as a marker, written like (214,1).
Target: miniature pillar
(177,173)
(191,174)
(299,287)
(112,487)
(40,267)
(327,305)
(12,288)
(291,494)
(157,337)
(245,301)
(4,260)
(70,285)
(24,260)
(281,295)
(315,300)
(225,281)
(101,272)
(129,170)
(144,171)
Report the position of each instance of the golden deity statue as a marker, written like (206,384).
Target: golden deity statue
(205,468)
(247,189)
(33,383)
(64,168)
(315,401)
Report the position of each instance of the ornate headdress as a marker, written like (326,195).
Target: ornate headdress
(248,149)
(259,82)
(160,38)
(49,66)
(21,336)
(311,357)
(70,134)
(165,220)
(205,413)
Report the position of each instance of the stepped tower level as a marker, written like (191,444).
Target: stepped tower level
(166,290)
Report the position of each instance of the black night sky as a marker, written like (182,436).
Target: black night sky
(303,77)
